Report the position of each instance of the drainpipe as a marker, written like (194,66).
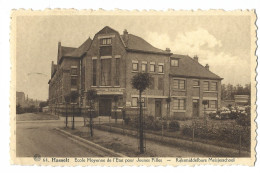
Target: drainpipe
(80,94)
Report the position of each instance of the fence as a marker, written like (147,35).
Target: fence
(213,132)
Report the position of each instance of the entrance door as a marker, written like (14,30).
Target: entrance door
(105,107)
(195,108)
(158,108)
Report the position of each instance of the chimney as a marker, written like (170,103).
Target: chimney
(125,32)
(168,50)
(59,44)
(196,58)
(207,66)
(125,36)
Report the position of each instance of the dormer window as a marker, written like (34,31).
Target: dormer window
(106,41)
(174,62)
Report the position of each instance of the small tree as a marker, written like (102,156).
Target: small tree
(91,96)
(141,81)
(205,103)
(67,101)
(116,98)
(73,99)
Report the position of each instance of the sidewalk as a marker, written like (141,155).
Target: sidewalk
(128,145)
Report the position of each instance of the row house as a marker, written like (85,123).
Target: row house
(107,64)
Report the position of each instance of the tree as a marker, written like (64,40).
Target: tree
(43,104)
(73,99)
(116,98)
(67,101)
(168,100)
(91,96)
(141,81)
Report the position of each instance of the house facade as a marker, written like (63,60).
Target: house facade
(107,64)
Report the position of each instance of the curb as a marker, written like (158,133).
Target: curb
(92,144)
(195,146)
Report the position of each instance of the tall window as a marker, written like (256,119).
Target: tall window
(160,69)
(74,71)
(152,67)
(135,66)
(160,83)
(174,62)
(94,72)
(117,75)
(179,104)
(106,41)
(74,81)
(213,86)
(179,84)
(196,83)
(106,72)
(144,67)
(206,86)
(105,51)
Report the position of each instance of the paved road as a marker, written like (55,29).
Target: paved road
(39,137)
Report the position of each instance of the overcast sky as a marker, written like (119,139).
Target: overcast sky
(221,41)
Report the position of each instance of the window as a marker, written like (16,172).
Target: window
(144,67)
(196,83)
(152,83)
(174,62)
(117,75)
(94,72)
(135,66)
(105,51)
(74,81)
(179,104)
(152,67)
(106,72)
(206,86)
(179,84)
(106,41)
(160,69)
(160,83)
(211,104)
(74,71)
(134,101)
(213,86)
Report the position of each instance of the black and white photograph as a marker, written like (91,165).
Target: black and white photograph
(133,88)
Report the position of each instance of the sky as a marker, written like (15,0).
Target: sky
(223,42)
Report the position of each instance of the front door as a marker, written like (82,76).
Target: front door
(158,108)
(195,108)
(105,107)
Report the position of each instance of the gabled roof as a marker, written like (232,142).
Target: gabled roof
(78,52)
(66,50)
(107,30)
(188,67)
(136,43)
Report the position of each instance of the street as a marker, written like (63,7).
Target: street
(39,137)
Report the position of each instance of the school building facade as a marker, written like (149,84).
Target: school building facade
(107,64)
